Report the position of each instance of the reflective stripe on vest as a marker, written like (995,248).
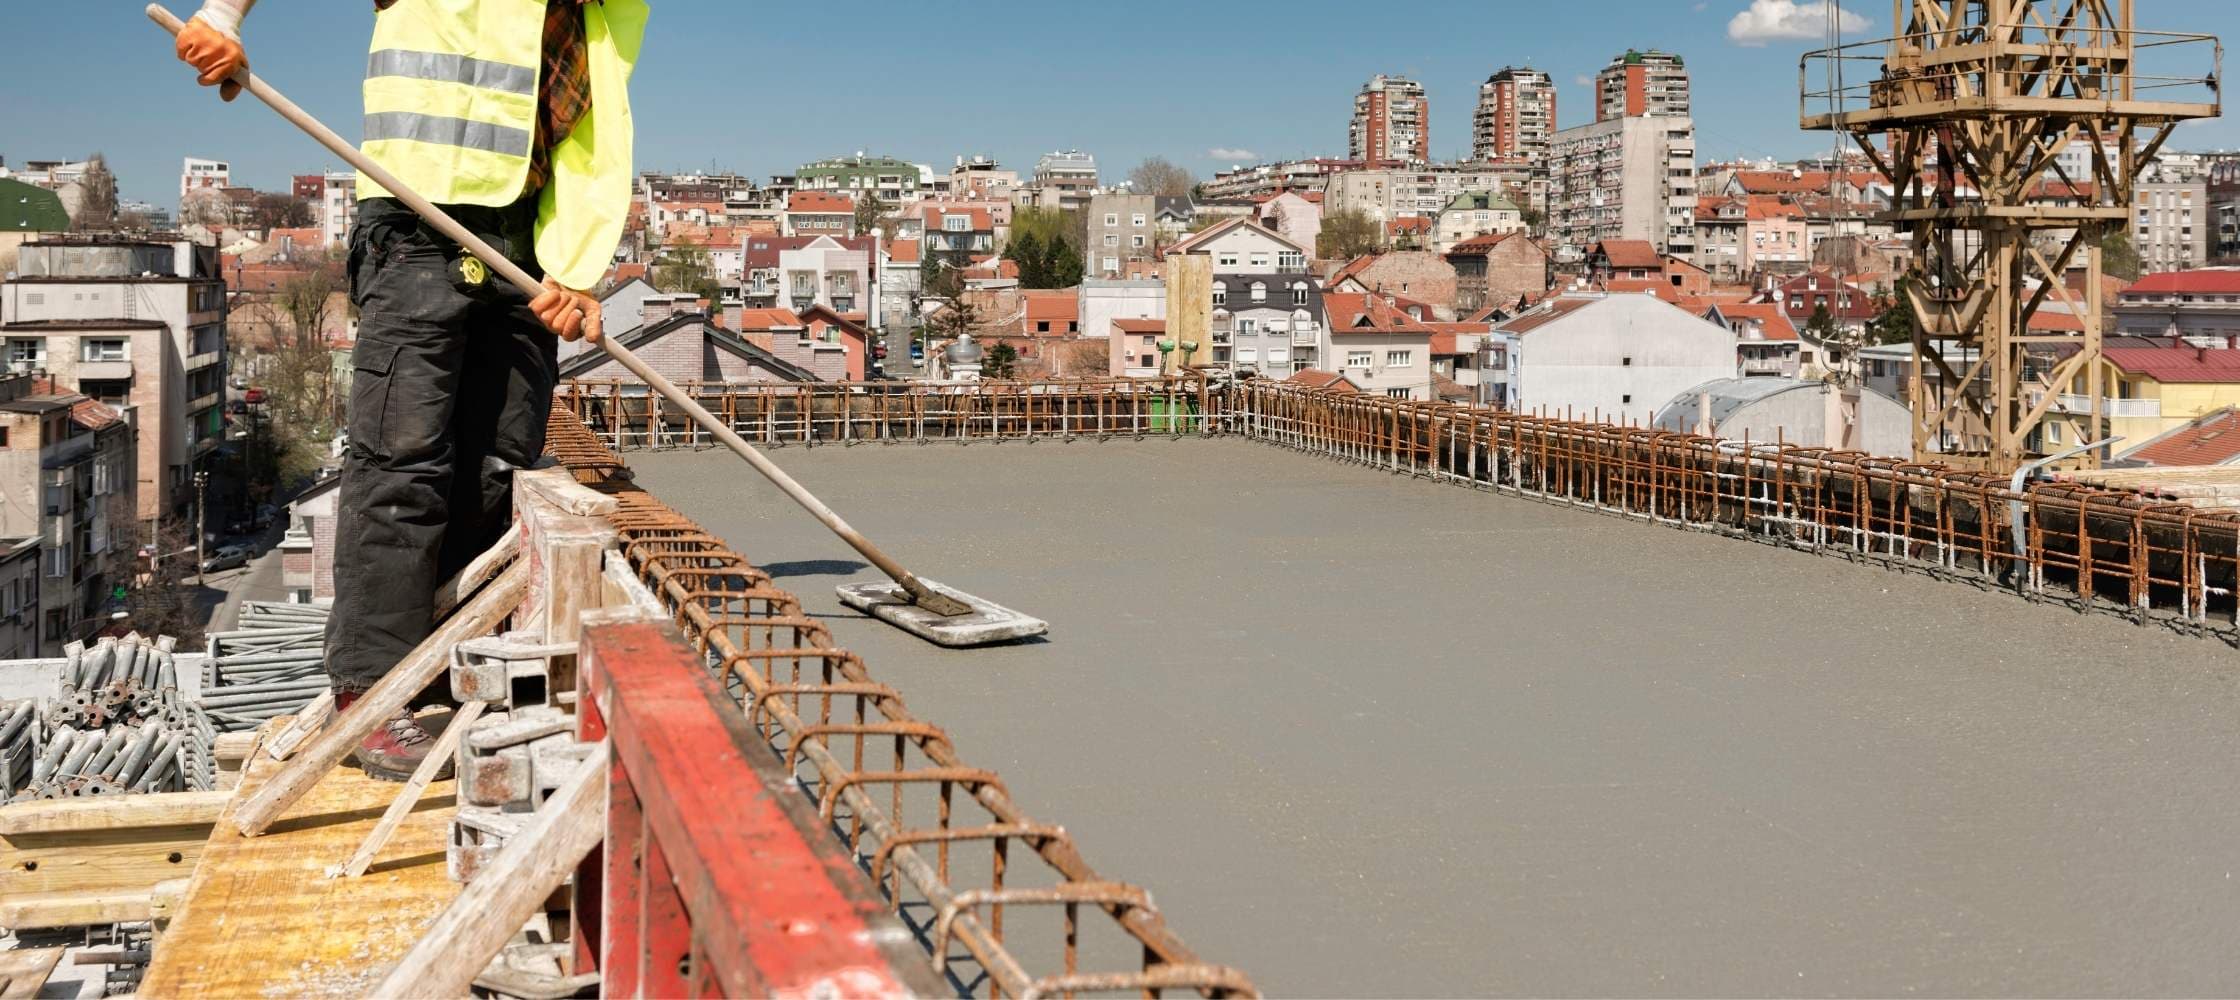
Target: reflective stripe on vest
(453,69)
(443,131)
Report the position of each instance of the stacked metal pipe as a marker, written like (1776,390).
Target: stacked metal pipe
(274,664)
(118,724)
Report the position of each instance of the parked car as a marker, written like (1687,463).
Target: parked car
(253,396)
(237,406)
(227,557)
(917,351)
(241,381)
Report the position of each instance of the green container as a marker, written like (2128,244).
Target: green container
(1173,415)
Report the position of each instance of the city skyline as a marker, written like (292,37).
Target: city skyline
(1151,99)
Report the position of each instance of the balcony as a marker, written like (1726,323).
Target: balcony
(1305,338)
(1765,366)
(2109,406)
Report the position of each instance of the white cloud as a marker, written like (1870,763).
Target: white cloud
(1775,20)
(1232,153)
(1583,80)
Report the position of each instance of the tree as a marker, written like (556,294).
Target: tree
(685,268)
(1089,358)
(97,196)
(1062,265)
(869,211)
(958,319)
(1026,250)
(1002,361)
(1161,176)
(1532,218)
(205,207)
(2117,256)
(1046,225)
(1893,323)
(1822,326)
(164,599)
(1347,234)
(302,406)
(273,210)
(937,279)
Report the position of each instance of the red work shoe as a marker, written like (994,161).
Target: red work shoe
(394,750)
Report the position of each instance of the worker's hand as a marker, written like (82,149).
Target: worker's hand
(214,54)
(567,312)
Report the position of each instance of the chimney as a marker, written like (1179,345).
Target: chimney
(656,309)
(2201,354)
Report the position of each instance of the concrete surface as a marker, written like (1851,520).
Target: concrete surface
(1367,735)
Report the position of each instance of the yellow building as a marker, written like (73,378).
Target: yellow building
(2156,389)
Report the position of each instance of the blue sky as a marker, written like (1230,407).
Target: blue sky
(761,88)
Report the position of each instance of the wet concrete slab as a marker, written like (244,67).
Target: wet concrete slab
(1368,735)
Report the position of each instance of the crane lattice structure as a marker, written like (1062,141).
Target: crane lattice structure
(1968,111)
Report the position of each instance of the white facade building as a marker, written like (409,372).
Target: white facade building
(1615,358)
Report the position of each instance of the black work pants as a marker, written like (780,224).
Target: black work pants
(451,387)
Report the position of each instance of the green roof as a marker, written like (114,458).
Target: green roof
(28,209)
(1472,200)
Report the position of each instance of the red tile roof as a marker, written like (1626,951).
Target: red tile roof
(1411,224)
(1480,244)
(2206,280)
(904,251)
(1316,378)
(2183,363)
(94,414)
(819,201)
(1786,182)
(981,220)
(1772,320)
(1055,308)
(1365,312)
(769,319)
(1139,326)
(2210,439)
(1628,253)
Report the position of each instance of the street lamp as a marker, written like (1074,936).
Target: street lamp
(201,520)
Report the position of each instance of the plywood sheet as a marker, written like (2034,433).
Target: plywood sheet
(262,917)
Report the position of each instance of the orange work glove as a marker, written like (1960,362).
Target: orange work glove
(213,54)
(567,312)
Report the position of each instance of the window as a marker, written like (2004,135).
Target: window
(1227,259)
(1259,291)
(1137,220)
(1112,239)
(1113,219)
(1358,359)
(1291,260)
(1259,260)
(27,352)
(1398,393)
(1625,362)
(1136,241)
(1248,326)
(1248,355)
(1399,359)
(956,223)
(1220,293)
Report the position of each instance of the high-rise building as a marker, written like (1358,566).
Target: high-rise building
(1652,83)
(1516,115)
(1630,178)
(197,174)
(1391,121)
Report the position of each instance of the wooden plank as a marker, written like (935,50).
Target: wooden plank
(297,776)
(76,861)
(24,970)
(262,918)
(410,795)
(558,487)
(502,897)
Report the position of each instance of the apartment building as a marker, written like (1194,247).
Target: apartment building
(138,325)
(1498,272)
(1420,192)
(1637,84)
(1064,179)
(1269,324)
(1474,213)
(338,206)
(66,476)
(1609,357)
(2174,224)
(2203,304)
(1125,227)
(1297,216)
(197,174)
(1391,121)
(819,213)
(1630,178)
(1264,180)
(891,180)
(1516,115)
(1737,238)
(981,178)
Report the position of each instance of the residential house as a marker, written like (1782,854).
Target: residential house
(1420,275)
(797,271)
(957,235)
(1063,180)
(1504,271)
(1610,357)
(1380,347)
(1633,266)
(901,281)
(307,549)
(1241,246)
(2212,438)
(1327,381)
(1475,213)
(1105,304)
(826,344)
(2174,229)
(66,476)
(2154,389)
(1848,306)
(890,180)
(1411,232)
(1120,227)
(1294,215)
(1765,341)
(135,324)
(19,597)
(620,308)
(1270,324)
(818,213)
(1134,345)
(2203,303)
(1738,238)
(1460,355)
(688,347)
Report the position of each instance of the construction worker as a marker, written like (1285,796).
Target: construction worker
(514,115)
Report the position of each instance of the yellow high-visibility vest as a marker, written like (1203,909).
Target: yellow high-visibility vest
(451,110)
